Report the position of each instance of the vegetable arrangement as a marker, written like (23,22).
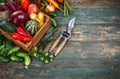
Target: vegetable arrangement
(25,20)
(10,52)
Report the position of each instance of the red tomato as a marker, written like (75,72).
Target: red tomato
(33,8)
(25,4)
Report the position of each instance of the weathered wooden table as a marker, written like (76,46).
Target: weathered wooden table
(93,51)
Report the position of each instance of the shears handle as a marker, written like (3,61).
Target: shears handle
(55,44)
(60,47)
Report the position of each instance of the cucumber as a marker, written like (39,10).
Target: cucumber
(26,57)
(16,58)
(7,26)
(4,59)
(13,50)
(2,49)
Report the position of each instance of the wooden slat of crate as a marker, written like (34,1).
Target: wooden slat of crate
(39,36)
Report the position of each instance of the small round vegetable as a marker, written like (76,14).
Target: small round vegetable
(51,60)
(26,57)
(41,58)
(51,56)
(35,48)
(46,61)
(46,54)
(40,51)
(50,8)
(13,50)
(34,54)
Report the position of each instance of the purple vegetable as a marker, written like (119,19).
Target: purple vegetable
(19,18)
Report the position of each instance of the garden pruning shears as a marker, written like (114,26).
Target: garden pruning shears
(64,36)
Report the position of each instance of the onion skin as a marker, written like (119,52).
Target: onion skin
(19,18)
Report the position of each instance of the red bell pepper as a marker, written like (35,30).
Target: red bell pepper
(25,4)
(22,31)
(17,36)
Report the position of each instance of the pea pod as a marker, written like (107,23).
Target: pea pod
(13,50)
(16,58)
(26,57)
(4,59)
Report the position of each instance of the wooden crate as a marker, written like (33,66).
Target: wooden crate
(28,45)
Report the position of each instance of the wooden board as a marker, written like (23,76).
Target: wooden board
(93,51)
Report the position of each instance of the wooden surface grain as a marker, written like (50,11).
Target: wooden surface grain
(93,51)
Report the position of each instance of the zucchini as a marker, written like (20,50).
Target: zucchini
(7,26)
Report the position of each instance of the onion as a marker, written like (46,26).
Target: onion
(19,18)
(50,8)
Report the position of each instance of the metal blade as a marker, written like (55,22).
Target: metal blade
(71,25)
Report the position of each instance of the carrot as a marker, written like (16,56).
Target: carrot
(60,1)
(54,3)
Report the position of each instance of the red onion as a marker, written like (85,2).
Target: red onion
(19,18)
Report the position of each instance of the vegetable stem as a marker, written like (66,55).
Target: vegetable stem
(68,10)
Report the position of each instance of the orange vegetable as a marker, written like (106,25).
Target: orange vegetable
(60,1)
(54,3)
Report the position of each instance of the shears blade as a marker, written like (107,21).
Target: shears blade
(71,25)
